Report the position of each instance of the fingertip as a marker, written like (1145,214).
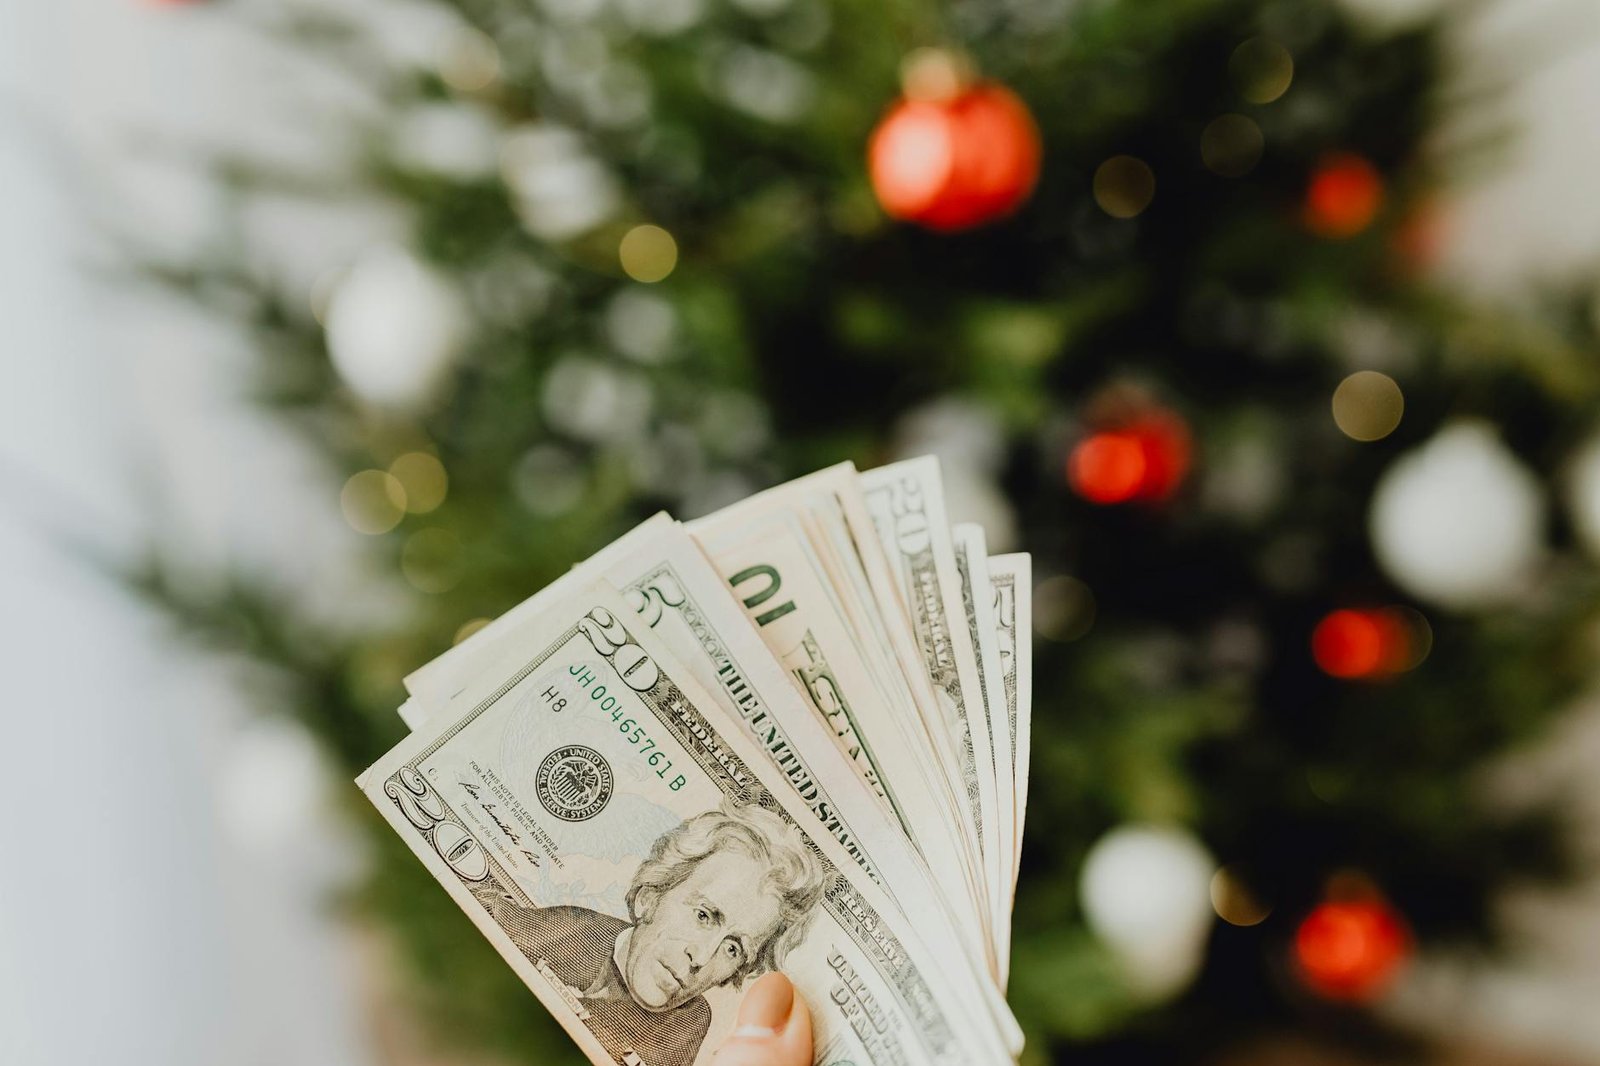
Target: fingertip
(773,1027)
(796,1035)
(768,1002)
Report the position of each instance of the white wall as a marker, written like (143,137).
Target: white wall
(163,898)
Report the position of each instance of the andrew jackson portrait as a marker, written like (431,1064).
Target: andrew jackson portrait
(721,898)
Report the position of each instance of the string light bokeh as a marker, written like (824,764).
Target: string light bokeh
(1124,185)
(648,253)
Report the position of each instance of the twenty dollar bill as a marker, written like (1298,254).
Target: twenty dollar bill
(636,859)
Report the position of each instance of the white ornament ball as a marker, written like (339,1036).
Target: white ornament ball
(957,430)
(661,18)
(1395,14)
(558,188)
(1146,893)
(969,442)
(974,497)
(457,141)
(1583,490)
(394,328)
(1459,521)
(641,325)
(593,401)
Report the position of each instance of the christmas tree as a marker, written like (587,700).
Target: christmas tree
(1150,276)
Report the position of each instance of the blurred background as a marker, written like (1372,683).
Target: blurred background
(1269,328)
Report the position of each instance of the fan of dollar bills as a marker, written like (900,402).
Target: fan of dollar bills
(793,734)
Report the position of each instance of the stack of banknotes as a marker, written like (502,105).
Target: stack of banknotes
(791,735)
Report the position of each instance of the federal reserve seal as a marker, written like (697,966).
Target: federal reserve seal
(574,783)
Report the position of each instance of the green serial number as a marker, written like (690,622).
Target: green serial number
(607,703)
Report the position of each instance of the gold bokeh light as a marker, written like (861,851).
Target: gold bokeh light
(1262,70)
(469,628)
(1367,405)
(1124,186)
(373,501)
(933,74)
(1233,901)
(1063,608)
(469,61)
(648,253)
(424,480)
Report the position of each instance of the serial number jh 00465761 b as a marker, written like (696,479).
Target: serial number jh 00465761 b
(607,703)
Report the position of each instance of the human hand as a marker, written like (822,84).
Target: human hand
(773,1029)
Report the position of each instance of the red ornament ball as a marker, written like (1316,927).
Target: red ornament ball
(1107,467)
(1144,458)
(1351,949)
(1343,197)
(956,162)
(1349,644)
(1372,643)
